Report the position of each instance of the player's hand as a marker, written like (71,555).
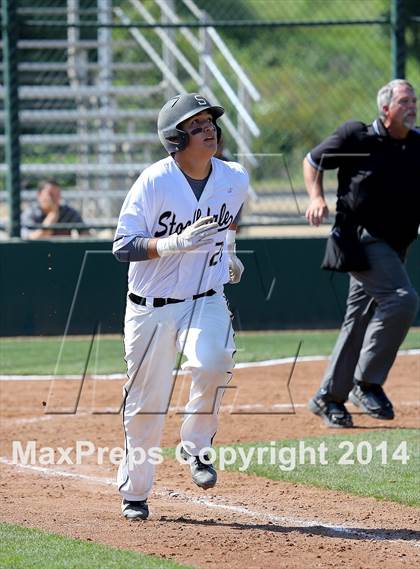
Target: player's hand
(236,268)
(194,236)
(197,234)
(317,211)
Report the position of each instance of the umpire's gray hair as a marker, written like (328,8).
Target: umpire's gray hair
(386,92)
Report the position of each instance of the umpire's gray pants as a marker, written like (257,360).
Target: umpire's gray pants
(381,306)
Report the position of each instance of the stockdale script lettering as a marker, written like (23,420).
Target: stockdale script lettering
(170,225)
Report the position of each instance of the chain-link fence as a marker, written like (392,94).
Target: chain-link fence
(93,74)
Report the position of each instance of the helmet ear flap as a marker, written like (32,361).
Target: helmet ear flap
(183,140)
(177,139)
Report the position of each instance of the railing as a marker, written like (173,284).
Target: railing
(238,95)
(88,122)
(272,65)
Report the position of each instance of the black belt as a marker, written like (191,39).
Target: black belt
(158,302)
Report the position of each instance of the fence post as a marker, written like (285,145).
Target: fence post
(167,54)
(206,50)
(105,104)
(11,107)
(398,53)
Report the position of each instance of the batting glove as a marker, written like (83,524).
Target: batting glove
(236,267)
(194,236)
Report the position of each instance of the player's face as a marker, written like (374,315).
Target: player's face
(201,132)
(402,109)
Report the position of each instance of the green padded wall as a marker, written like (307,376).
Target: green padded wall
(49,287)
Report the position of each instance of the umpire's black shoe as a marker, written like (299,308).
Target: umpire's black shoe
(204,475)
(135,510)
(334,414)
(371,398)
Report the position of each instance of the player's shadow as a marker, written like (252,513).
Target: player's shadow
(353,533)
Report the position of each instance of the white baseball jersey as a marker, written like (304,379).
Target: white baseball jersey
(160,203)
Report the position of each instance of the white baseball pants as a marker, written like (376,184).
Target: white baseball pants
(202,331)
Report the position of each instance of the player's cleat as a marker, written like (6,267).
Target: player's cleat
(204,475)
(135,510)
(334,414)
(371,398)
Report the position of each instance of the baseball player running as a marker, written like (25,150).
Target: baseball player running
(177,230)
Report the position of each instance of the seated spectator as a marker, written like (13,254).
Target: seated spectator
(49,211)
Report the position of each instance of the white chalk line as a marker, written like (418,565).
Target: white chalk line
(28,420)
(213,503)
(123,376)
(231,409)
(180,409)
(235,410)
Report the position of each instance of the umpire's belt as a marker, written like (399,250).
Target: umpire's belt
(158,302)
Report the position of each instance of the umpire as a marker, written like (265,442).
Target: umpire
(378,216)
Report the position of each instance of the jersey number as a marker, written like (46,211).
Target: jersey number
(217,257)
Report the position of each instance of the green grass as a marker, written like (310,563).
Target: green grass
(39,355)
(391,480)
(270,345)
(24,548)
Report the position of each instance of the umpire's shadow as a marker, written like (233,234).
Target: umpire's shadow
(376,427)
(353,533)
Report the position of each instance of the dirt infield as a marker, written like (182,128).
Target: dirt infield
(244,521)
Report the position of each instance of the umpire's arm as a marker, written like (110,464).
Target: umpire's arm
(313,177)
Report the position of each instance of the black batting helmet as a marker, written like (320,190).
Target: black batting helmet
(178,109)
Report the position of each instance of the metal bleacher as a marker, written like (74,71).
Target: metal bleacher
(88,105)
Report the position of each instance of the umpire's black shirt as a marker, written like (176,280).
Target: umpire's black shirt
(378,178)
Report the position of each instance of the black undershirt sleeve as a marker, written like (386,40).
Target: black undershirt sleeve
(135,250)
